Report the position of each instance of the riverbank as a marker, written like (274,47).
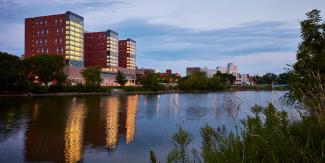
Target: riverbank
(122,92)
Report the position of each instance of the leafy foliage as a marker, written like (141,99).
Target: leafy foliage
(91,76)
(150,82)
(120,78)
(11,73)
(181,139)
(45,67)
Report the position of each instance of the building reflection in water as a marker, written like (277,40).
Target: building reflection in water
(60,129)
(112,107)
(73,134)
(132,104)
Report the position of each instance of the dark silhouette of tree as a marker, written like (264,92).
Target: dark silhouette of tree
(120,78)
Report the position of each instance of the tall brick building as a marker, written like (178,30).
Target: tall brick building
(126,56)
(101,49)
(60,34)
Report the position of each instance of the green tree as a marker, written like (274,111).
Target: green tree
(311,51)
(308,85)
(120,78)
(150,82)
(11,73)
(45,67)
(91,76)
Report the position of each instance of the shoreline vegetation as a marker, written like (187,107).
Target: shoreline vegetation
(268,134)
(79,90)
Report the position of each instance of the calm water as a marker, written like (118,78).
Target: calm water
(117,128)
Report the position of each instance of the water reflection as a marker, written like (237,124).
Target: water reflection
(113,128)
(74,133)
(112,107)
(73,124)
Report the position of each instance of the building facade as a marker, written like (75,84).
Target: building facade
(126,55)
(191,70)
(60,34)
(101,49)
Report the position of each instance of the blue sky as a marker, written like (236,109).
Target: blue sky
(258,35)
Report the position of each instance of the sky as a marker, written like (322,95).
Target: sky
(259,36)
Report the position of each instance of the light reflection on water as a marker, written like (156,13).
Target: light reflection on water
(120,128)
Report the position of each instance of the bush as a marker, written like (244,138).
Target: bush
(268,136)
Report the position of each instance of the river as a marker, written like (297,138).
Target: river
(116,128)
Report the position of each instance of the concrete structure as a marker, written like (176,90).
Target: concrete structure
(101,49)
(109,74)
(60,34)
(190,70)
(126,56)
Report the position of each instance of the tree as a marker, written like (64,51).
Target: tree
(120,78)
(311,51)
(45,67)
(150,82)
(11,73)
(307,88)
(91,76)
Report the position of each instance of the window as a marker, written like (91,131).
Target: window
(60,40)
(57,50)
(60,20)
(57,30)
(45,22)
(47,50)
(45,41)
(42,32)
(40,42)
(38,32)
(36,42)
(56,20)
(40,22)
(47,31)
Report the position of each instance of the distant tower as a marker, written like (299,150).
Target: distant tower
(232,68)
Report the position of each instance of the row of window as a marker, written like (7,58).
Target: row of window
(73,58)
(74,24)
(71,28)
(71,33)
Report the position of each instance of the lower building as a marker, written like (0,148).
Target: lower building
(190,70)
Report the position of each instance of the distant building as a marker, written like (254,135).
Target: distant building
(126,56)
(244,80)
(108,76)
(232,68)
(190,70)
(101,49)
(222,69)
(210,72)
(60,34)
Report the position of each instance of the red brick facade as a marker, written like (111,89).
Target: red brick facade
(45,35)
(126,56)
(60,34)
(95,49)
